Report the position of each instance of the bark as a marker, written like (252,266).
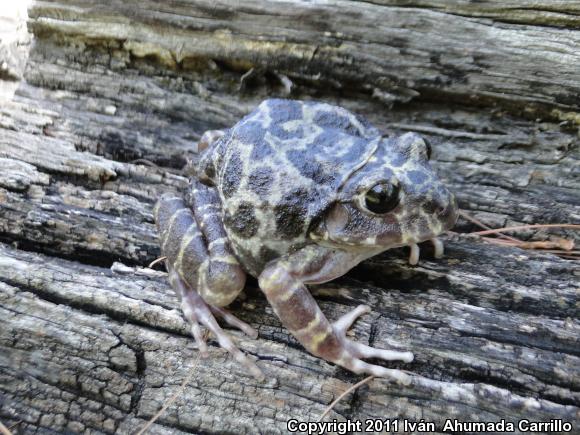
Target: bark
(114,98)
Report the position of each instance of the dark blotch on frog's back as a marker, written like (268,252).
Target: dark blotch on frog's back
(340,148)
(291,213)
(284,110)
(232,175)
(357,149)
(327,139)
(308,167)
(243,222)
(398,160)
(261,151)
(260,181)
(249,132)
(329,120)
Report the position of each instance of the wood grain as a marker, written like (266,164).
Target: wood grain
(113,101)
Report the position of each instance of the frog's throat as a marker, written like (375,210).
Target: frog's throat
(364,160)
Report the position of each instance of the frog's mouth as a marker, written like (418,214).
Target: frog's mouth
(415,251)
(373,247)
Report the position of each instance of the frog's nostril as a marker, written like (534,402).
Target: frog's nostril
(441,208)
(435,207)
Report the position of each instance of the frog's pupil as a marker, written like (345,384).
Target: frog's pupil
(382,198)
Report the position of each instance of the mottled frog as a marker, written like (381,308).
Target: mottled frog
(298,193)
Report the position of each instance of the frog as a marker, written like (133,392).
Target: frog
(296,194)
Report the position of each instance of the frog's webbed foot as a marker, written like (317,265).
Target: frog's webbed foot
(353,352)
(199,313)
(415,251)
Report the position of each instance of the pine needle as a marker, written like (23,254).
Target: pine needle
(339,398)
(561,247)
(525,227)
(174,397)
(157,260)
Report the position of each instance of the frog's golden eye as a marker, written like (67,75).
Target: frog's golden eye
(382,198)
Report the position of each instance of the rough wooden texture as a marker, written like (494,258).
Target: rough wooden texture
(92,341)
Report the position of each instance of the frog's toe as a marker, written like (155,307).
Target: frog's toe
(363,351)
(353,352)
(232,320)
(360,367)
(344,323)
(198,312)
(226,343)
(199,338)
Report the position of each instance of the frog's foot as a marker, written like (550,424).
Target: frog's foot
(233,321)
(352,352)
(198,313)
(415,251)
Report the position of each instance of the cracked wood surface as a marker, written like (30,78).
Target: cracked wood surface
(91,341)
(395,50)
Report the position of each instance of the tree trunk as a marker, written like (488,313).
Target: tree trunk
(113,100)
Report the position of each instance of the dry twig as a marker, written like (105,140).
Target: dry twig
(526,227)
(175,396)
(339,398)
(561,247)
(157,260)
(482,225)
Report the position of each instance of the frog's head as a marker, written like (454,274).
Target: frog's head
(393,199)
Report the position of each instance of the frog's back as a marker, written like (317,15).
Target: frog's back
(278,168)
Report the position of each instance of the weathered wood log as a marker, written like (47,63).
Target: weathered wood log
(114,99)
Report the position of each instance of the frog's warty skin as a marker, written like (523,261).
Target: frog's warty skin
(281,196)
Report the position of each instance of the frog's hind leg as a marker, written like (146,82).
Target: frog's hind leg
(202,270)
(198,312)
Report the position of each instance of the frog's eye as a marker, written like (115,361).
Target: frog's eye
(382,197)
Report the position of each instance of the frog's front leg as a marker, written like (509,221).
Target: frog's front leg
(283,281)
(202,269)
